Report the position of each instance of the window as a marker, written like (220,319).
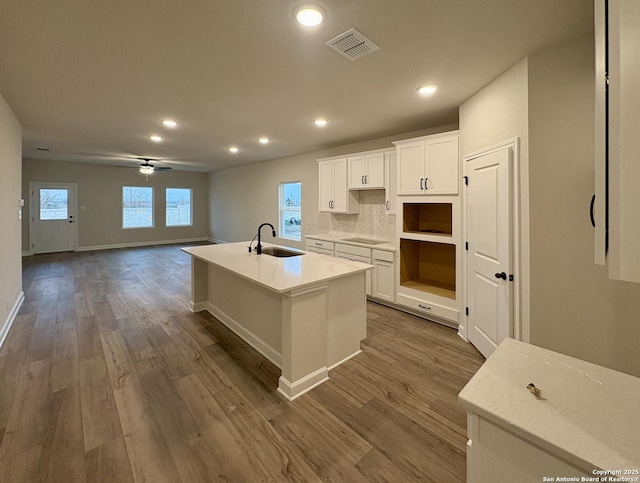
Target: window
(137,207)
(53,204)
(291,211)
(178,207)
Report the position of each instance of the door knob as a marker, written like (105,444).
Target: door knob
(502,275)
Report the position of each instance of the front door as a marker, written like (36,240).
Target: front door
(489,271)
(52,212)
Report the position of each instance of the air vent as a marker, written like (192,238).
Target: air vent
(352,44)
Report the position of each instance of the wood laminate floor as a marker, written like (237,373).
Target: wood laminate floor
(107,376)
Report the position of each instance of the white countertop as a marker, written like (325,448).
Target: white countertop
(332,237)
(277,274)
(588,415)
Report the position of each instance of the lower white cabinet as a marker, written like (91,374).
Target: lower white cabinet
(322,247)
(383,284)
(380,281)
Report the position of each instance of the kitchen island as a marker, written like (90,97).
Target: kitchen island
(305,313)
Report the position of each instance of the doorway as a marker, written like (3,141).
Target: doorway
(490,261)
(52,217)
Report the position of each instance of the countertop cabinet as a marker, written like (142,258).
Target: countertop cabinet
(366,171)
(584,422)
(334,195)
(428,165)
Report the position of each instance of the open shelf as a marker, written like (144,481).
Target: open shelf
(428,218)
(428,267)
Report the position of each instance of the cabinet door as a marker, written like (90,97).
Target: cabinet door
(624,142)
(411,168)
(383,280)
(391,187)
(325,175)
(375,171)
(357,172)
(339,204)
(442,166)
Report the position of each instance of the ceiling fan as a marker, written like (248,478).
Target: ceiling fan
(148,168)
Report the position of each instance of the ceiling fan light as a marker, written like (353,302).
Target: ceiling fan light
(309,15)
(146,169)
(427,89)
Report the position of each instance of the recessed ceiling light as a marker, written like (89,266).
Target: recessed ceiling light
(320,122)
(427,89)
(264,140)
(309,15)
(169,123)
(155,138)
(233,149)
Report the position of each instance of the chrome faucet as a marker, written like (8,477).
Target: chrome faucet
(259,246)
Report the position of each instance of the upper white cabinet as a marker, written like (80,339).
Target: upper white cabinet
(334,195)
(366,171)
(428,165)
(620,164)
(392,184)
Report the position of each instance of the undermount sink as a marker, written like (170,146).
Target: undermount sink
(366,241)
(280,252)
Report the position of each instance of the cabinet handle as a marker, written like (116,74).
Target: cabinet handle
(366,179)
(387,205)
(425,183)
(319,244)
(421,180)
(593,220)
(424,307)
(362,179)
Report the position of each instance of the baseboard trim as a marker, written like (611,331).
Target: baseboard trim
(140,244)
(301,386)
(250,338)
(11,318)
(345,359)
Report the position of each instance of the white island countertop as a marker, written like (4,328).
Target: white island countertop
(278,274)
(587,414)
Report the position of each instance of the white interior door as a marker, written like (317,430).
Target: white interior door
(489,271)
(52,212)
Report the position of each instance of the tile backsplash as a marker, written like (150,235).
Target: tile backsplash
(371,222)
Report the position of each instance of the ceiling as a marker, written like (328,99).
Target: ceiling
(92,80)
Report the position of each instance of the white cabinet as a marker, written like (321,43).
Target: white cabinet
(383,285)
(623,116)
(428,165)
(392,185)
(333,193)
(366,171)
(356,254)
(320,246)
(429,270)
(380,281)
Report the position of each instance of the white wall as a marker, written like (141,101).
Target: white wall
(10,251)
(99,219)
(575,308)
(498,113)
(547,100)
(242,198)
